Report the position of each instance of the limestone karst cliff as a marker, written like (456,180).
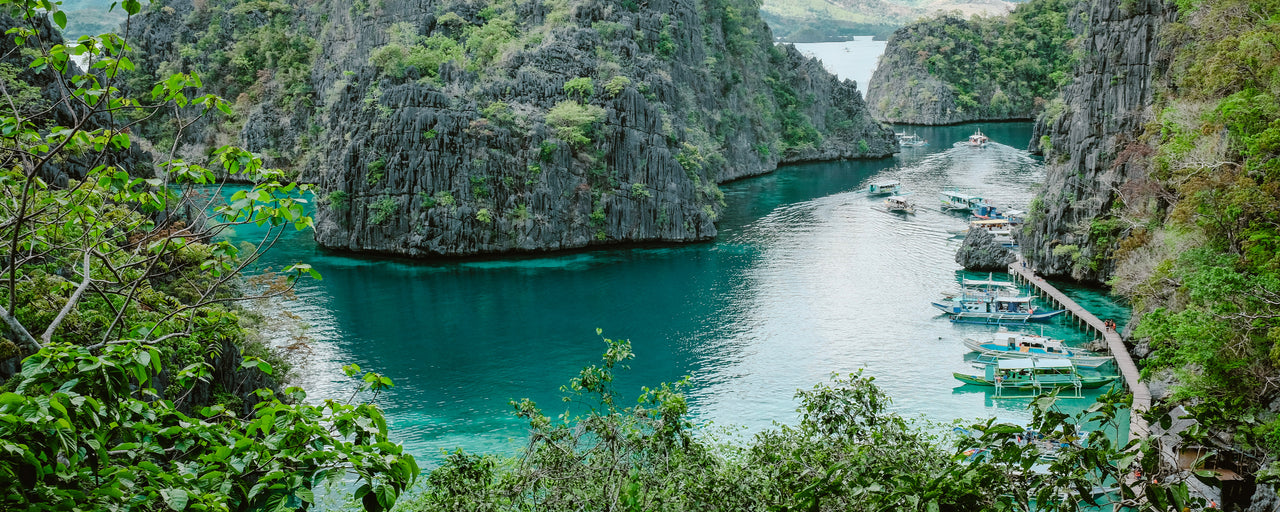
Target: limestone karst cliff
(457,127)
(1089,136)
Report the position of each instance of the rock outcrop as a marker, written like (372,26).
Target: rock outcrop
(948,69)
(981,251)
(468,128)
(1103,110)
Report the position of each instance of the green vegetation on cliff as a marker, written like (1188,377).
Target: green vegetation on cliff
(542,114)
(945,69)
(800,21)
(1200,254)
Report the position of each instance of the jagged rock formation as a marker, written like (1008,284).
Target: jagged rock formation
(468,128)
(1103,110)
(980,251)
(948,69)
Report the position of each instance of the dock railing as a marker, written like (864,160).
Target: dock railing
(1138,428)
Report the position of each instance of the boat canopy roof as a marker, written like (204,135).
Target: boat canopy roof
(964,196)
(985,282)
(1014,299)
(887,183)
(989,222)
(1049,363)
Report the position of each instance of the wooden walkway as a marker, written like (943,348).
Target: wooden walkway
(1138,428)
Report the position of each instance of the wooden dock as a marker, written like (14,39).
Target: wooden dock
(1138,428)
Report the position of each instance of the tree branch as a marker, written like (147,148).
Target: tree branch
(71,302)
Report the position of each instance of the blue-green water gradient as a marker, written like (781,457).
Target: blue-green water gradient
(805,279)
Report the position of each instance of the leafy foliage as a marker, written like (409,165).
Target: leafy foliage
(848,452)
(121,302)
(1212,294)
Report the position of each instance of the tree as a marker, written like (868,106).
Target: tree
(120,297)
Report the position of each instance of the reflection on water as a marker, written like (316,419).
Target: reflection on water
(806,279)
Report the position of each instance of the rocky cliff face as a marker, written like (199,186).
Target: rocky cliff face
(948,69)
(980,251)
(458,127)
(1088,140)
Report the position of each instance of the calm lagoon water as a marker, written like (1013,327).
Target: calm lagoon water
(805,279)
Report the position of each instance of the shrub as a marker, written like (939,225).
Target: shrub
(616,85)
(338,200)
(382,209)
(484,216)
(639,190)
(573,121)
(377,170)
(580,88)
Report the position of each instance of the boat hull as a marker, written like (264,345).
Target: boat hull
(1085,382)
(961,316)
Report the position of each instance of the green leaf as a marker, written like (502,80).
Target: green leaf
(60,18)
(175,498)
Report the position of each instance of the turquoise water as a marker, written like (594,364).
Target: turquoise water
(805,279)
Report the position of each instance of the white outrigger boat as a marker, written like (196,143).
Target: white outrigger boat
(911,141)
(1022,346)
(954,199)
(899,204)
(883,188)
(989,308)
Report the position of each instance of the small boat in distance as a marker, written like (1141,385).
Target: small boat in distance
(978,140)
(882,188)
(899,204)
(911,141)
(1035,375)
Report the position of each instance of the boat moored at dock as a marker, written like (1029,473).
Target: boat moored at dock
(1035,375)
(1025,346)
(994,308)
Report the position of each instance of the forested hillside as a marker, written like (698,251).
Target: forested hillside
(948,69)
(1162,182)
(819,20)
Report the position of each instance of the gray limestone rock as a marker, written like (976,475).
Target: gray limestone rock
(981,251)
(1105,106)
(465,159)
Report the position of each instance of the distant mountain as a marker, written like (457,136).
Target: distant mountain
(826,20)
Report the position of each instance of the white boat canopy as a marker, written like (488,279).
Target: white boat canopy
(1048,363)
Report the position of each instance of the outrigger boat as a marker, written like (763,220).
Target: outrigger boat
(1023,346)
(899,204)
(994,308)
(978,140)
(1036,375)
(910,141)
(956,200)
(883,188)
